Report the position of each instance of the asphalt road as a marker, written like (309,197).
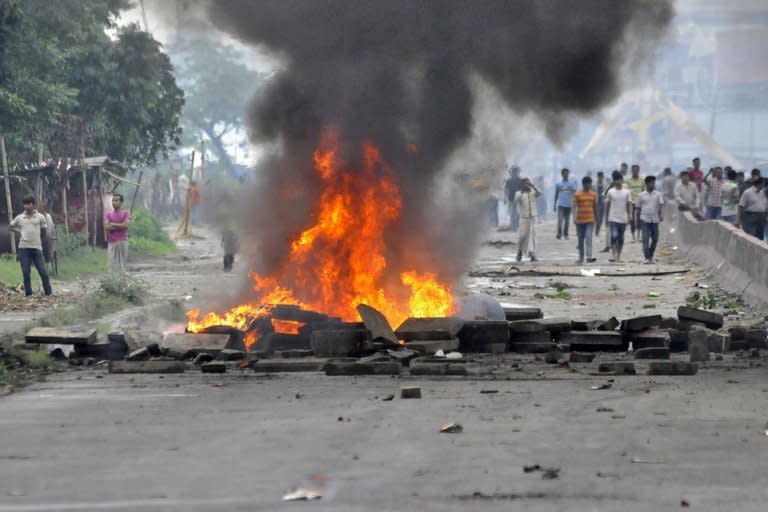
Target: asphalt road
(87,440)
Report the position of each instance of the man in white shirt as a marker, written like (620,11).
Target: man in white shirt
(619,211)
(687,195)
(525,201)
(650,202)
(31,226)
(753,209)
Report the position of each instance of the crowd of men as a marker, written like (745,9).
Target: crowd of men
(632,200)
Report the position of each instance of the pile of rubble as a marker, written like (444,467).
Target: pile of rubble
(420,346)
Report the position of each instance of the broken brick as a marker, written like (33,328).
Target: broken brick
(407,392)
(650,338)
(378,324)
(610,325)
(672,368)
(678,341)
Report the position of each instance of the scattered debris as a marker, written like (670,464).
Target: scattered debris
(607,385)
(451,428)
(410,392)
(302,495)
(388,398)
(547,473)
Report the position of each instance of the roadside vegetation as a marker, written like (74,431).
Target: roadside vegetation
(146,236)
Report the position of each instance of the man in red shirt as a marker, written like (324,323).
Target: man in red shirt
(696,174)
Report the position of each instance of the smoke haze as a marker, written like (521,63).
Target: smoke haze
(400,73)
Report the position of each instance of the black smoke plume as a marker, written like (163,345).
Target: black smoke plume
(398,72)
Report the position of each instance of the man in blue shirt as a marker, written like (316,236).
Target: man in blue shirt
(563,201)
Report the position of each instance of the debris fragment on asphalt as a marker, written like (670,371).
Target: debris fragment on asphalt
(302,495)
(451,428)
(607,385)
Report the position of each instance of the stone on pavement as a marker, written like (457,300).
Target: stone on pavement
(410,392)
(61,335)
(155,366)
(672,368)
(708,318)
(433,328)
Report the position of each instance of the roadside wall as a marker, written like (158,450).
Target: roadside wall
(739,262)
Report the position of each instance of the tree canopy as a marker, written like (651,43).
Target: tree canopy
(217,86)
(67,73)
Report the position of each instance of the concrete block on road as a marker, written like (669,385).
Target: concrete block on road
(687,325)
(714,341)
(341,342)
(617,367)
(556,325)
(277,341)
(435,328)
(196,343)
(214,367)
(708,318)
(230,354)
(610,325)
(525,327)
(672,368)
(582,357)
(641,323)
(678,341)
(595,341)
(484,336)
(407,392)
(335,368)
(432,346)
(156,366)
(61,335)
(652,353)
(378,324)
(512,314)
(295,314)
(650,338)
(532,347)
(288,365)
(756,338)
(140,354)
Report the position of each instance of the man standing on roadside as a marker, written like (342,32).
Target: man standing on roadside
(668,184)
(696,174)
(618,208)
(563,201)
(731,195)
(116,224)
(753,209)
(635,184)
(585,208)
(687,195)
(651,204)
(525,200)
(31,226)
(714,201)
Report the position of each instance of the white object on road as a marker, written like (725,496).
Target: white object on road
(302,495)
(440,353)
(454,355)
(590,272)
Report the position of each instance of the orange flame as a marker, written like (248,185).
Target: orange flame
(339,261)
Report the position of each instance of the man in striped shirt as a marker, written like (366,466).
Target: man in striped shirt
(714,202)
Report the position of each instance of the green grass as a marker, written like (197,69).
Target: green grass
(145,247)
(88,308)
(35,358)
(85,263)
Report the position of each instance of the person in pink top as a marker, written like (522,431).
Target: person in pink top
(116,224)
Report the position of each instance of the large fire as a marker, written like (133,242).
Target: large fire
(339,261)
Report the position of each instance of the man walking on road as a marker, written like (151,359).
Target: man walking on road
(618,210)
(511,186)
(650,202)
(31,226)
(525,200)
(635,184)
(116,224)
(585,208)
(753,209)
(563,202)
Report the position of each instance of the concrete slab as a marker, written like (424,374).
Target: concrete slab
(61,335)
(196,343)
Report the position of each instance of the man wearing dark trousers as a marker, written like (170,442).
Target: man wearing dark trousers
(31,226)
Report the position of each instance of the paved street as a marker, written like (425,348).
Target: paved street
(87,440)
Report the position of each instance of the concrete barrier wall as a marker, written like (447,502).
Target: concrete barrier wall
(739,262)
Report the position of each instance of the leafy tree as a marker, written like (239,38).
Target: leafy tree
(62,78)
(217,87)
